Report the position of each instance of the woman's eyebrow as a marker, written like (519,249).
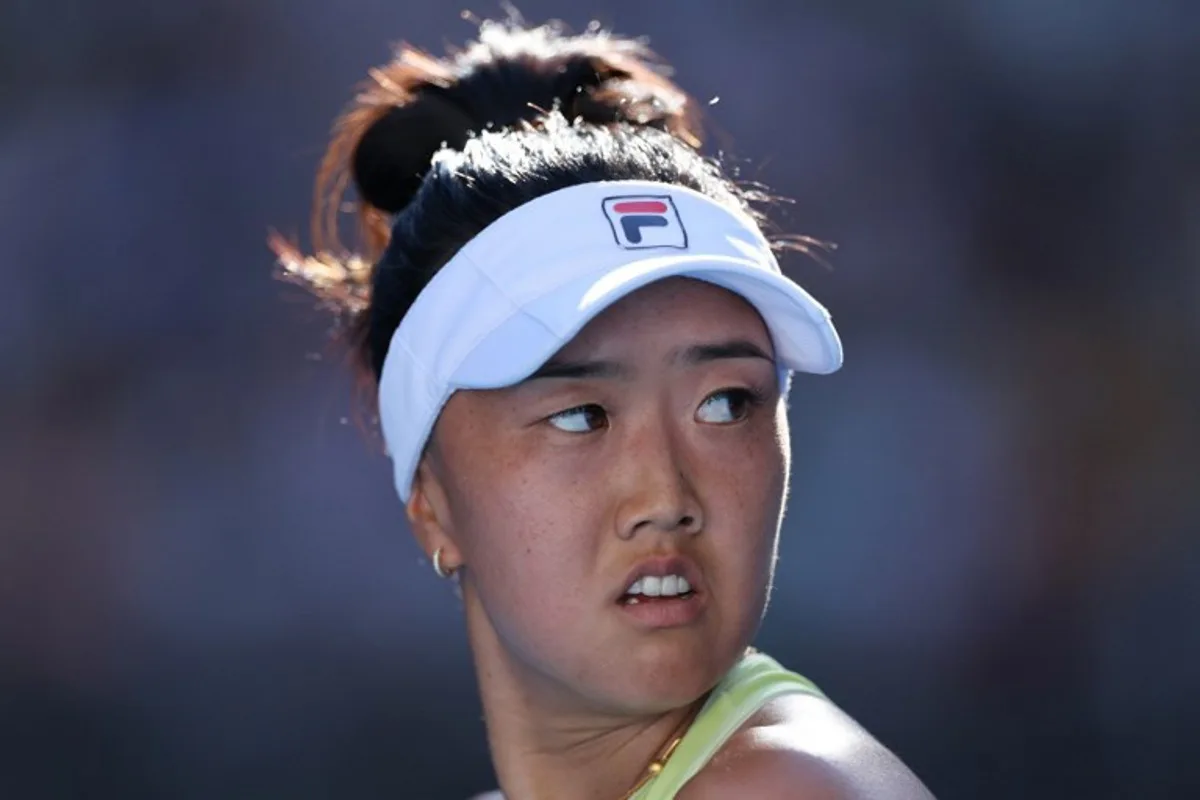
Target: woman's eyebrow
(555,368)
(714,351)
(686,356)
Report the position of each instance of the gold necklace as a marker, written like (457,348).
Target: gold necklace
(661,758)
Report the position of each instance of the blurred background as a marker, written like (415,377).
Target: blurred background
(991,559)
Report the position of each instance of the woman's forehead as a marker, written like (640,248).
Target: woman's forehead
(665,315)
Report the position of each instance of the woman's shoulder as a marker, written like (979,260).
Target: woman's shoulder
(803,746)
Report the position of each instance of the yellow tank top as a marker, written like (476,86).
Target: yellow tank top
(754,681)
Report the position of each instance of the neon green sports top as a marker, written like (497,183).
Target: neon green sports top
(754,681)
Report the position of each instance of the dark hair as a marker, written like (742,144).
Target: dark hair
(440,148)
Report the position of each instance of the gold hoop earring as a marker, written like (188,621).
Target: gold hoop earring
(441,571)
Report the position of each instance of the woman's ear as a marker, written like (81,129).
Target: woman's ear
(428,514)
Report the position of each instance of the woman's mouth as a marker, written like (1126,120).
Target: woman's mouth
(652,588)
(662,601)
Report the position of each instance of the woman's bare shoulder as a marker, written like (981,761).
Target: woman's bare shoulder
(800,747)
(805,747)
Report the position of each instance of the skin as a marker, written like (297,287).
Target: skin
(544,496)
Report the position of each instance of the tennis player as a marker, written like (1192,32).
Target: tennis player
(580,344)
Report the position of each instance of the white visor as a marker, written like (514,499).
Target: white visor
(514,295)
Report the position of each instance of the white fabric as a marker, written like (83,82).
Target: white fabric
(515,294)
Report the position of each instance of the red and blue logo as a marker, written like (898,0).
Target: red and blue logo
(642,222)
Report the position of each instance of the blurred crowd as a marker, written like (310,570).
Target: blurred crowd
(991,558)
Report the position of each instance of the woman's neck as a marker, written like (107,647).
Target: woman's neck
(547,742)
(573,757)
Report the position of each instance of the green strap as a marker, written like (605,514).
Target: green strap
(752,683)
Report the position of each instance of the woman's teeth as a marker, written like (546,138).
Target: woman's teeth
(655,586)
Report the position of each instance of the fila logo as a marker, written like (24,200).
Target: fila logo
(640,222)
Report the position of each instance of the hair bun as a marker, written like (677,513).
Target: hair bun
(394,153)
(411,107)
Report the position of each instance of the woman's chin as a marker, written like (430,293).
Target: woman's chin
(661,681)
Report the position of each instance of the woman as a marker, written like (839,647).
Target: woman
(581,345)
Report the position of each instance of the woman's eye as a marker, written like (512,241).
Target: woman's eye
(727,405)
(581,419)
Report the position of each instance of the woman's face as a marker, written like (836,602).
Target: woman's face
(655,441)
